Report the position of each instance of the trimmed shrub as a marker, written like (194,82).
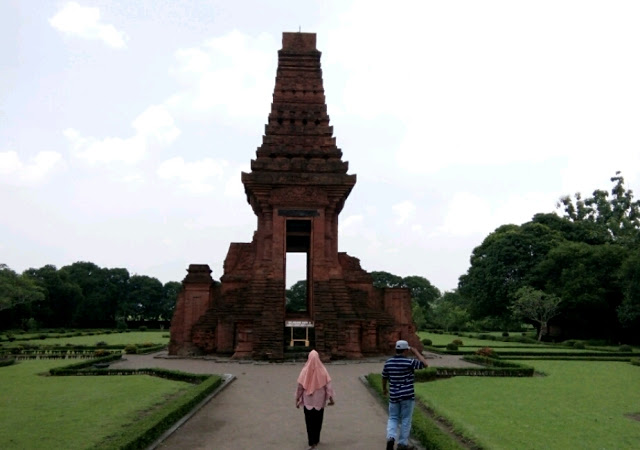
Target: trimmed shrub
(131,349)
(579,345)
(625,348)
(486,351)
(505,334)
(101,344)
(457,342)
(635,361)
(427,342)
(101,352)
(451,346)
(427,374)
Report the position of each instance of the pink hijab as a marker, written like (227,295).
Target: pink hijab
(314,374)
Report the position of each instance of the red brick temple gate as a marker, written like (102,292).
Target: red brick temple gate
(297,187)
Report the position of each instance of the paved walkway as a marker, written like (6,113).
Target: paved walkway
(257,410)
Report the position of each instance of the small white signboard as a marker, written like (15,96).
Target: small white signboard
(298,323)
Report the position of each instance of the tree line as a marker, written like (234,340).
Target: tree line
(82,295)
(583,265)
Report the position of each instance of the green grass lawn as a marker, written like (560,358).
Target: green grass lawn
(45,412)
(577,405)
(502,347)
(444,339)
(132,337)
(503,351)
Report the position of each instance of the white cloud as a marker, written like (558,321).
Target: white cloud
(233,188)
(155,123)
(154,126)
(232,74)
(403,211)
(9,163)
(196,177)
(14,171)
(84,22)
(467,214)
(350,226)
(480,85)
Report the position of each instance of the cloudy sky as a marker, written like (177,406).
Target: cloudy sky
(124,125)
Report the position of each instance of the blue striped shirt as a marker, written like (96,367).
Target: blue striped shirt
(398,370)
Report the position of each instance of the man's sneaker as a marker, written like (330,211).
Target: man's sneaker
(390,443)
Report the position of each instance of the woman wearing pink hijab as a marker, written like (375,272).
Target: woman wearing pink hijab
(314,393)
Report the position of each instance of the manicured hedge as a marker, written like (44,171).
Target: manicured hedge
(75,369)
(613,357)
(428,374)
(36,352)
(492,368)
(6,361)
(495,368)
(523,354)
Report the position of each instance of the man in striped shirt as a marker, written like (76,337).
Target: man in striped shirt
(398,375)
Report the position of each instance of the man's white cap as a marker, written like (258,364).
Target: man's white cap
(402,345)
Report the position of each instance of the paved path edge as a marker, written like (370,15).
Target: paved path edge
(227,379)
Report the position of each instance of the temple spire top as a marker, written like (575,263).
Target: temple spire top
(299,42)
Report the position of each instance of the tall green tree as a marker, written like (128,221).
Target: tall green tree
(536,306)
(422,291)
(450,312)
(170,291)
(17,294)
(62,297)
(502,264)
(17,289)
(586,278)
(144,299)
(616,215)
(629,310)
(101,292)
(418,316)
(296,297)
(383,279)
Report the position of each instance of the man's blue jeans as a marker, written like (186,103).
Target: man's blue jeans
(400,415)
